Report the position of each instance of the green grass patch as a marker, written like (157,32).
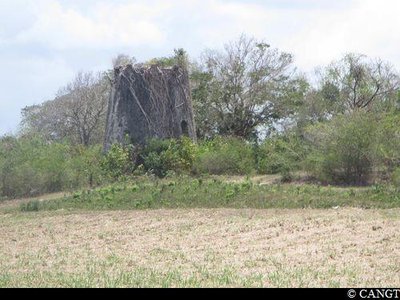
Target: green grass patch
(108,277)
(186,192)
(139,277)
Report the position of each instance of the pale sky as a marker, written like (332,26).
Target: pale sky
(43,43)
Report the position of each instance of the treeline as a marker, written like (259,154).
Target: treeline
(255,113)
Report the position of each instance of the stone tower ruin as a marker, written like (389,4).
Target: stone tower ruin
(149,102)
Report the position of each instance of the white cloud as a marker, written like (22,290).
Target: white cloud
(107,25)
(222,21)
(367,26)
(315,31)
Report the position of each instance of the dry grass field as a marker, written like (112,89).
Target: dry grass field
(345,247)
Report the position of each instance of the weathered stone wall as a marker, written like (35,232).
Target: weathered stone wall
(149,102)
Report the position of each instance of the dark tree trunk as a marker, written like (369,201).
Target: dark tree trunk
(148,103)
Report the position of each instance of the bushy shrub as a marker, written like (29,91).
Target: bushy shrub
(227,155)
(30,206)
(396,178)
(84,166)
(118,162)
(30,166)
(343,149)
(281,154)
(161,156)
(387,145)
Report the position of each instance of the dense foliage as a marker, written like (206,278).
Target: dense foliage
(32,166)
(255,114)
(230,155)
(281,154)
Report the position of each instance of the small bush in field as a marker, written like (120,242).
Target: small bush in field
(30,206)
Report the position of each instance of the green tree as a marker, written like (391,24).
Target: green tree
(358,82)
(247,85)
(179,58)
(77,113)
